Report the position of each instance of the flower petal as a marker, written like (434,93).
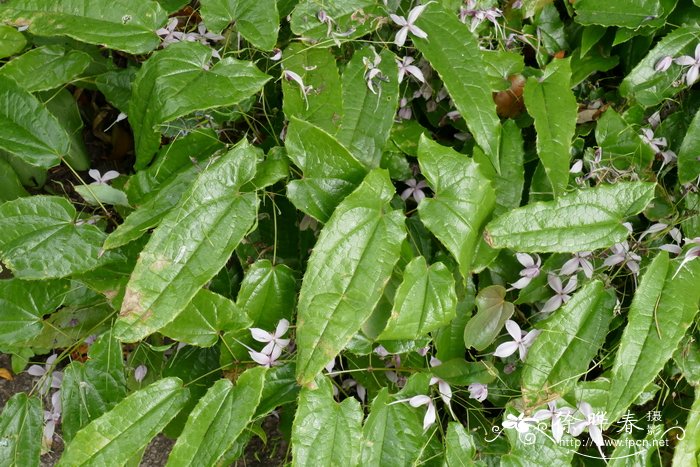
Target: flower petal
(514,330)
(506,349)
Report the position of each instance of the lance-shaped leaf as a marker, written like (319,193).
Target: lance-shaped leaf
(192,243)
(689,154)
(330,171)
(625,14)
(20,431)
(113,438)
(583,220)
(27,129)
(23,305)
(368,116)
(127,25)
(553,106)
(686,451)
(459,446)
(322,105)
(177,81)
(454,53)
(492,313)
(393,433)
(11,41)
(218,420)
(463,201)
(568,341)
(41,239)
(258,21)
(204,318)
(425,301)
(346,273)
(662,310)
(46,67)
(650,87)
(324,431)
(267,294)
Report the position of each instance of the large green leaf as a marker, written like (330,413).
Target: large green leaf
(650,87)
(113,438)
(620,143)
(324,431)
(127,25)
(322,105)
(424,301)
(348,268)
(454,53)
(46,67)
(204,318)
(42,240)
(662,310)
(553,106)
(459,446)
(257,21)
(368,116)
(23,305)
(27,129)
(267,294)
(64,107)
(218,420)
(192,243)
(463,201)
(568,341)
(88,390)
(177,81)
(330,171)
(689,154)
(20,431)
(11,41)
(624,13)
(492,313)
(584,220)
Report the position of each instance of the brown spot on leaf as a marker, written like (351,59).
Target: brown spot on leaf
(131,305)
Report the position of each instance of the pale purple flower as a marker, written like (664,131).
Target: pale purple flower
(556,415)
(49,377)
(478,391)
(414,190)
(290,75)
(691,254)
(674,247)
(654,119)
(621,254)
(51,418)
(478,15)
(204,36)
(443,387)
(277,54)
(577,167)
(407,25)
(657,144)
(102,179)
(561,292)
(663,64)
(406,68)
(521,423)
(140,373)
(693,62)
(359,389)
(381,351)
(169,34)
(592,421)
(405,111)
(521,341)
(272,339)
(579,261)
(531,270)
(324,18)
(265,359)
(430,414)
(373,72)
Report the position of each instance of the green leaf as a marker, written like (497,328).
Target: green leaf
(41,239)
(351,19)
(454,53)
(20,431)
(626,14)
(192,243)
(23,305)
(258,21)
(584,220)
(11,41)
(463,201)
(218,420)
(267,294)
(689,154)
(116,86)
(648,86)
(128,25)
(113,438)
(424,302)
(330,171)
(620,143)
(686,451)
(64,107)
(204,318)
(348,268)
(326,432)
(493,312)
(459,446)
(91,389)
(323,105)
(27,128)
(662,310)
(368,116)
(568,341)
(100,193)
(46,67)
(460,372)
(10,185)
(553,106)
(392,435)
(177,81)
